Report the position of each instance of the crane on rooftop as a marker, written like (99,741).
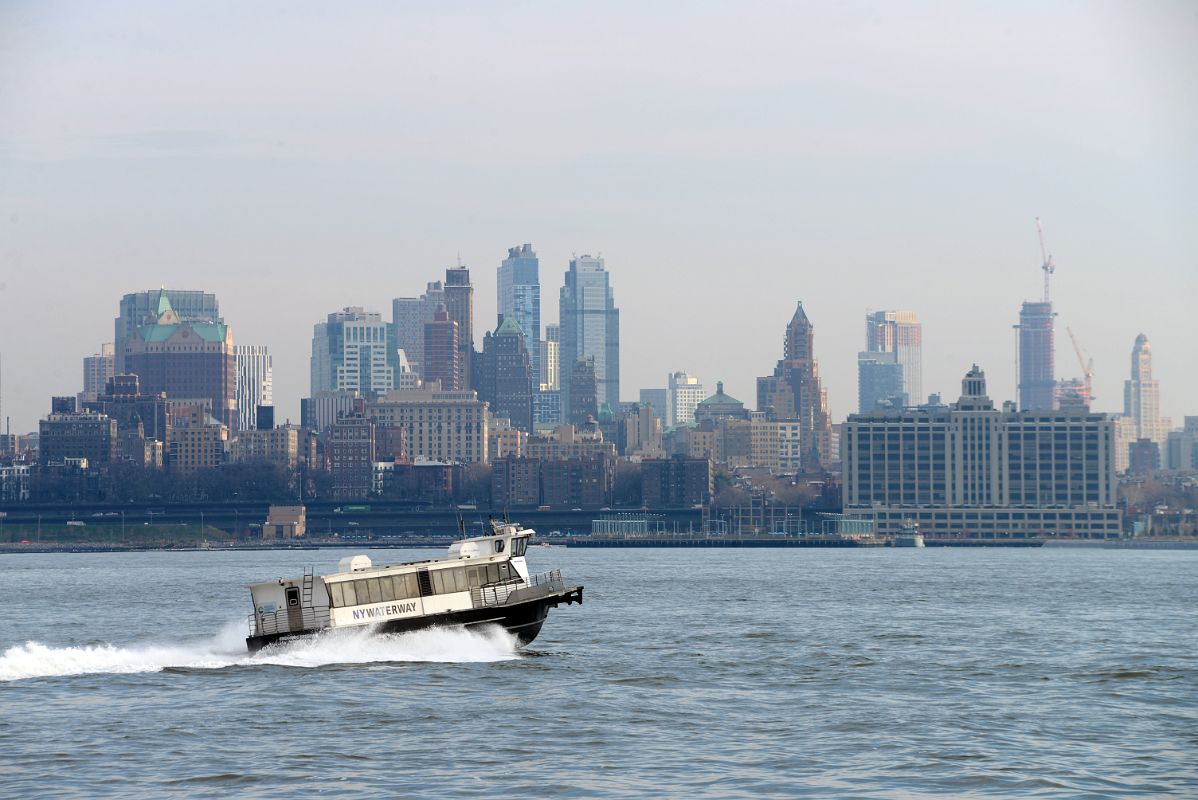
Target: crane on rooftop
(1046,259)
(1087,365)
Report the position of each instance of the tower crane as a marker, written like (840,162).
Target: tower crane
(1046,258)
(1086,364)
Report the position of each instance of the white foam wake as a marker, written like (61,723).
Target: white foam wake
(227,649)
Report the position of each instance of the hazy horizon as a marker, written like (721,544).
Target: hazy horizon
(727,161)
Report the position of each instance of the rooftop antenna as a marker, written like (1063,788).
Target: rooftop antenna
(1046,259)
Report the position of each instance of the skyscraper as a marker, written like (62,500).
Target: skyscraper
(794,391)
(253,382)
(581,393)
(408,316)
(590,329)
(551,358)
(1037,373)
(505,376)
(459,303)
(188,306)
(683,394)
(1142,396)
(519,295)
(898,332)
(187,360)
(442,352)
(97,370)
(351,351)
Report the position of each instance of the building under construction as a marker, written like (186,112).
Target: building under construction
(1035,349)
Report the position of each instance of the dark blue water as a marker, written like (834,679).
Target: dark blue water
(761,673)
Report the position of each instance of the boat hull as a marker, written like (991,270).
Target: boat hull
(522,619)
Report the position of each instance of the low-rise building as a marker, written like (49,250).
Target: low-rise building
(277,446)
(78,435)
(677,482)
(198,446)
(438,426)
(285,522)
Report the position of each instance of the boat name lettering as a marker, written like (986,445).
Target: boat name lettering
(384,611)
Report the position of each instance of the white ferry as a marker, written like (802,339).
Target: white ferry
(484,580)
(908,535)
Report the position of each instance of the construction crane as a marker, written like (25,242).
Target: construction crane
(1086,364)
(1046,259)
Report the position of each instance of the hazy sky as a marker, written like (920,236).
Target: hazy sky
(727,159)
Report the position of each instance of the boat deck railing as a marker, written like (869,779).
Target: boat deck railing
(309,618)
(498,594)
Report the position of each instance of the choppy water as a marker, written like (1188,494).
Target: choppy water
(761,673)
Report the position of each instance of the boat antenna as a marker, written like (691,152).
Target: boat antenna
(461,525)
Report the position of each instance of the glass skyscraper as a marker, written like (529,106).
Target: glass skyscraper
(590,329)
(519,293)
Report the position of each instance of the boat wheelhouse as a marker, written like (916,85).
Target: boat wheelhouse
(483,580)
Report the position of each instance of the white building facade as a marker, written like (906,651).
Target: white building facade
(253,382)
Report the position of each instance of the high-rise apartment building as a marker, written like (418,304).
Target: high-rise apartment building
(1037,372)
(459,303)
(408,317)
(186,360)
(253,384)
(794,391)
(900,333)
(98,369)
(590,330)
(188,307)
(1142,396)
(351,351)
(519,295)
(442,353)
(582,395)
(683,394)
(550,377)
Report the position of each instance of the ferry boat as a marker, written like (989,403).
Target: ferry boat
(908,535)
(483,580)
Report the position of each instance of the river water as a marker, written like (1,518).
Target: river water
(686,673)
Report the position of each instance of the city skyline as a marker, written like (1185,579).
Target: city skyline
(840,407)
(882,165)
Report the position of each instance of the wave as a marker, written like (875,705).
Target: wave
(227,649)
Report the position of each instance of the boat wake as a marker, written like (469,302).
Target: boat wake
(227,649)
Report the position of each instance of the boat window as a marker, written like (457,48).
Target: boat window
(438,581)
(347,591)
(459,579)
(499,545)
(519,546)
(492,573)
(505,571)
(335,595)
(405,586)
(473,577)
(388,588)
(376,591)
(292,597)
